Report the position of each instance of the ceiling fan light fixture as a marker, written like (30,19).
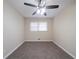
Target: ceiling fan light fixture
(43,10)
(38,11)
(41,7)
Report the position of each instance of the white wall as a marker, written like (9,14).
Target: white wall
(13,29)
(61,29)
(64,29)
(34,36)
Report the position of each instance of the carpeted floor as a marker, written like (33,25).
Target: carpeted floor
(39,50)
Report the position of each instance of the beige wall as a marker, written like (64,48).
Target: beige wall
(64,30)
(34,36)
(13,29)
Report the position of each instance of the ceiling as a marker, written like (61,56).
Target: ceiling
(27,11)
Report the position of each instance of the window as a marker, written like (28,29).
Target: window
(38,26)
(42,26)
(34,26)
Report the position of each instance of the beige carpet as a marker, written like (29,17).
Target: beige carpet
(39,50)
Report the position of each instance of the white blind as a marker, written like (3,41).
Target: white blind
(42,26)
(34,26)
(38,26)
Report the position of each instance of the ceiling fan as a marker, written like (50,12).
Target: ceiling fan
(41,7)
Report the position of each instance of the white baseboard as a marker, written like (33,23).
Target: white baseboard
(13,50)
(38,40)
(64,50)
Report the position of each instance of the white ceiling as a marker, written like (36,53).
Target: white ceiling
(27,11)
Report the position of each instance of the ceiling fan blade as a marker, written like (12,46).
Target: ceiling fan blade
(39,2)
(28,4)
(52,6)
(34,13)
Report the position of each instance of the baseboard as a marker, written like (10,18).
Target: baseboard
(13,50)
(38,40)
(64,50)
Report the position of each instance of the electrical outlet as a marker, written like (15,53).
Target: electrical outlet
(38,38)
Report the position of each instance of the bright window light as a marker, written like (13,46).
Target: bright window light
(42,26)
(38,26)
(34,26)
